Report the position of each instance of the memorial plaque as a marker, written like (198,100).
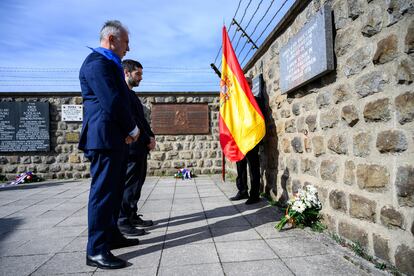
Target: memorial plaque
(257,88)
(72,113)
(180,119)
(24,126)
(309,54)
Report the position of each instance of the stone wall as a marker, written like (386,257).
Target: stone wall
(201,153)
(351,132)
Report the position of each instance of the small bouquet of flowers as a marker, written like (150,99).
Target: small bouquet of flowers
(27,177)
(183,174)
(303,210)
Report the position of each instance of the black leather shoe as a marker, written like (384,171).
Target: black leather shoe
(252,200)
(128,230)
(239,196)
(123,242)
(136,220)
(105,261)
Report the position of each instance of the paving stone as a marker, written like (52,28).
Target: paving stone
(262,267)
(192,270)
(22,265)
(236,233)
(297,247)
(246,251)
(65,263)
(189,254)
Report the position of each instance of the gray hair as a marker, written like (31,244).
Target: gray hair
(112,27)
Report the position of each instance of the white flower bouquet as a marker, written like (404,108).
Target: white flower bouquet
(303,210)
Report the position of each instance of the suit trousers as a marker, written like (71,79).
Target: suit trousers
(108,171)
(135,178)
(252,158)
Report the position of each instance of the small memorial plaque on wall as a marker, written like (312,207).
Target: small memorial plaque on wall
(309,54)
(72,113)
(170,119)
(24,126)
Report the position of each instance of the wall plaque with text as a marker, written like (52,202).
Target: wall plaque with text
(309,54)
(24,126)
(72,112)
(180,119)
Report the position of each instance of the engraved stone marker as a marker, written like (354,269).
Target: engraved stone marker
(24,126)
(180,119)
(309,54)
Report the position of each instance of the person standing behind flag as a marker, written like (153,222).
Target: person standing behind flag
(107,128)
(241,122)
(252,157)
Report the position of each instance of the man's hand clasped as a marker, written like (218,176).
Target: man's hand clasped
(130,139)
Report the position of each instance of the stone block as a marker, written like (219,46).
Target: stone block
(412,228)
(330,222)
(296,185)
(74,158)
(409,39)
(404,104)
(374,22)
(158,156)
(404,184)
(350,115)
(3,160)
(337,200)
(323,99)
(297,145)
(290,126)
(329,119)
(387,50)
(307,143)
(80,167)
(361,144)
(381,249)
(353,233)
(329,170)
(318,145)
(10,169)
(13,159)
(391,217)
(42,168)
(358,61)
(154,164)
(186,155)
(293,166)
(405,71)
(340,10)
(286,145)
(355,8)
(377,110)
(371,83)
(296,109)
(55,168)
(311,122)
(21,169)
(308,166)
(338,144)
(362,208)
(391,141)
(344,40)
(404,257)
(72,137)
(300,125)
(341,93)
(397,8)
(25,160)
(349,173)
(372,177)
(285,113)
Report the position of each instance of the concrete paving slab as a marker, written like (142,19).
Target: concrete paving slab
(192,270)
(129,271)
(298,246)
(263,267)
(21,265)
(65,263)
(189,254)
(237,251)
(141,256)
(236,233)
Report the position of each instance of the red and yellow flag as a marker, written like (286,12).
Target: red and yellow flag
(241,123)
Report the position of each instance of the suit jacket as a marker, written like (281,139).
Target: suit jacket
(107,115)
(139,149)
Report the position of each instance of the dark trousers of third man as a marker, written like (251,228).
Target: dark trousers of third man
(135,178)
(252,158)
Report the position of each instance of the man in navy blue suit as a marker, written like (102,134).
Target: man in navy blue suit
(108,127)
(137,157)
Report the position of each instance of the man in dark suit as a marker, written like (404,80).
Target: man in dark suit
(108,127)
(137,157)
(252,157)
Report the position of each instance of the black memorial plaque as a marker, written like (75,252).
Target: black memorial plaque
(257,88)
(309,54)
(24,126)
(180,119)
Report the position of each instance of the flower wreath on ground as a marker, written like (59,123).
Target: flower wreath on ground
(303,210)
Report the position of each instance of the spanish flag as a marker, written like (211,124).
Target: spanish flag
(241,122)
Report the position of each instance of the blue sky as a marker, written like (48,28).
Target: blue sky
(44,42)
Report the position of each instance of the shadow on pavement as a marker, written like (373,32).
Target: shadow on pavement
(7,225)
(230,225)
